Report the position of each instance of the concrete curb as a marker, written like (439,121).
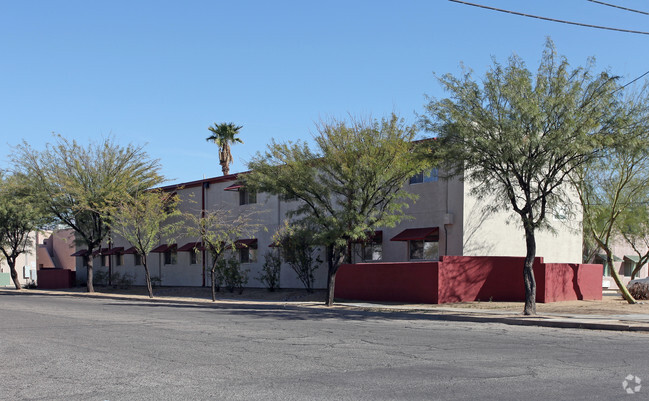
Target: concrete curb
(446,314)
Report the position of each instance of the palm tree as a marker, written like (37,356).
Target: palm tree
(223,135)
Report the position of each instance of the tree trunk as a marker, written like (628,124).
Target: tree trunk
(528,273)
(616,277)
(213,275)
(14,273)
(331,284)
(89,285)
(149,287)
(334,261)
(225,168)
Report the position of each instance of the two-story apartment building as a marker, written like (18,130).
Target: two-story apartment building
(445,220)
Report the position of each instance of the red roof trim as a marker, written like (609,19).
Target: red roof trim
(190,247)
(234,187)
(130,251)
(81,252)
(198,183)
(245,243)
(415,234)
(115,251)
(102,251)
(160,248)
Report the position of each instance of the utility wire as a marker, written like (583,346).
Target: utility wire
(629,83)
(549,19)
(620,7)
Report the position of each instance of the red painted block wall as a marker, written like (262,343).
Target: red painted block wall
(568,282)
(467,278)
(483,278)
(388,282)
(50,279)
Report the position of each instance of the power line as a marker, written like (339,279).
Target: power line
(549,19)
(629,83)
(620,7)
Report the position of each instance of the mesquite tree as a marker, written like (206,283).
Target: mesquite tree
(218,230)
(80,186)
(515,136)
(350,184)
(144,219)
(20,217)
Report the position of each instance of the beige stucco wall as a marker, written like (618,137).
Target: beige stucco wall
(24,263)
(463,230)
(501,233)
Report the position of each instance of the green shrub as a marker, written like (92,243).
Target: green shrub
(270,272)
(230,274)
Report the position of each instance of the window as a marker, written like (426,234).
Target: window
(288,198)
(171,257)
(137,259)
(119,259)
(372,251)
(193,258)
(247,197)
(424,176)
(247,255)
(424,250)
(105,260)
(84,260)
(628,267)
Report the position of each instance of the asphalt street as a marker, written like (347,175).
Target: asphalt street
(67,348)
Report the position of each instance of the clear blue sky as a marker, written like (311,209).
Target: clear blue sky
(158,73)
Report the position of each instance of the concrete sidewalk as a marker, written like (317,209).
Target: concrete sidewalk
(637,322)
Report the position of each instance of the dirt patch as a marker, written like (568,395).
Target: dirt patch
(609,305)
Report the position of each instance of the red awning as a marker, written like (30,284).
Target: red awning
(130,251)
(376,236)
(115,251)
(191,246)
(102,251)
(414,234)
(234,187)
(81,252)
(164,248)
(244,243)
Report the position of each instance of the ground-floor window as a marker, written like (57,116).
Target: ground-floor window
(372,251)
(119,259)
(247,255)
(424,250)
(137,259)
(171,257)
(104,260)
(193,258)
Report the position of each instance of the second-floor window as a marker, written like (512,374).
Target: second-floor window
(424,176)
